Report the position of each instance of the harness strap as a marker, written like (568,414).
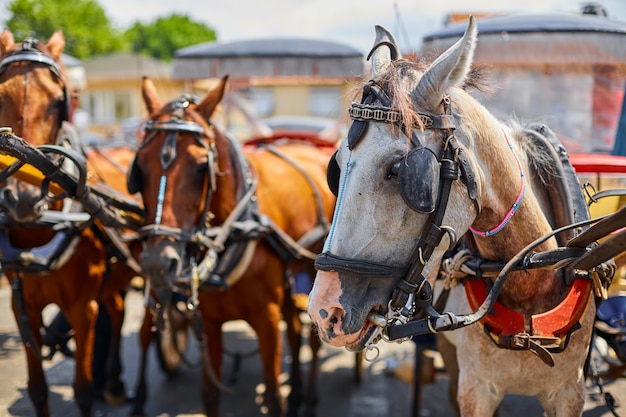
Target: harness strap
(23,323)
(365,112)
(414,279)
(42,259)
(524,341)
(319,205)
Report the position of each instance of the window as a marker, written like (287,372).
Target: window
(107,106)
(262,100)
(325,102)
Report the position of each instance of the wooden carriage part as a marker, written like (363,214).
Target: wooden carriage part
(35,166)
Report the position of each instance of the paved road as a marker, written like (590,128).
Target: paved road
(378,395)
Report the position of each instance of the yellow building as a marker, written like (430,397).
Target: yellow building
(277,77)
(273,77)
(112,94)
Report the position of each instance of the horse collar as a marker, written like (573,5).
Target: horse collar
(538,333)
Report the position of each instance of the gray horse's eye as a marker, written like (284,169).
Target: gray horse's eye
(392,171)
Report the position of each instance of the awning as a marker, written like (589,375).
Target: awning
(598,163)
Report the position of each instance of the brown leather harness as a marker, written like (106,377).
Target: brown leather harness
(219,249)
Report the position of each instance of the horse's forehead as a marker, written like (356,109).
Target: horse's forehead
(40,73)
(409,78)
(382,141)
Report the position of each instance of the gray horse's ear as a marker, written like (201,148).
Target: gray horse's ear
(447,71)
(384,51)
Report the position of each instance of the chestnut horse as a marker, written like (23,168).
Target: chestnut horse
(423,164)
(229,225)
(78,266)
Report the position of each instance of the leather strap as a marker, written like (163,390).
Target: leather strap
(523,341)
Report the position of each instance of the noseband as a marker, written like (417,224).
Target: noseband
(30,52)
(425,181)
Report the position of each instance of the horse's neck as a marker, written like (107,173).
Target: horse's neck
(526,290)
(229,180)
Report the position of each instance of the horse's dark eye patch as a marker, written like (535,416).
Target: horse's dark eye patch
(392,170)
(202,167)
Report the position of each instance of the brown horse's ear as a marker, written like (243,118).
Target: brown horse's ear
(56,44)
(6,41)
(150,96)
(212,99)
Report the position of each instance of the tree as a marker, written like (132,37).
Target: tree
(86,28)
(165,35)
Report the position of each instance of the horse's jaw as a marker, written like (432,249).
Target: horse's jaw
(340,323)
(161,262)
(23,202)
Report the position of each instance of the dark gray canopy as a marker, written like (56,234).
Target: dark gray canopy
(280,47)
(527,23)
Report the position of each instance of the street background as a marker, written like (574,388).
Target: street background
(378,395)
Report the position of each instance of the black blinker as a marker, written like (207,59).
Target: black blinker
(418,177)
(356,132)
(332,174)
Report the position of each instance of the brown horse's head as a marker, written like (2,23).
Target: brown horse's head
(173,170)
(33,87)
(34,102)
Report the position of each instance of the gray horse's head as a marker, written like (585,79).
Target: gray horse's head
(387,176)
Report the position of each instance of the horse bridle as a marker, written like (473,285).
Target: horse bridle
(413,290)
(173,127)
(30,52)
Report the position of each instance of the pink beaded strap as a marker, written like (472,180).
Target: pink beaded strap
(515,205)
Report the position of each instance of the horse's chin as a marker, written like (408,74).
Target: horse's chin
(355,342)
(364,336)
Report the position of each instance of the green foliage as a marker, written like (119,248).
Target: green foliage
(165,35)
(86,28)
(88,31)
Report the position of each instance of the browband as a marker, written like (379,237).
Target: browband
(365,112)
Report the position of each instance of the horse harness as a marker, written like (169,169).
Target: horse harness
(55,253)
(204,271)
(59,249)
(425,180)
(219,256)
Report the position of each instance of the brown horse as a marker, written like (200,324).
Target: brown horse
(229,226)
(426,169)
(80,269)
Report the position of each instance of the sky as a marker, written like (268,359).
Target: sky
(349,22)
